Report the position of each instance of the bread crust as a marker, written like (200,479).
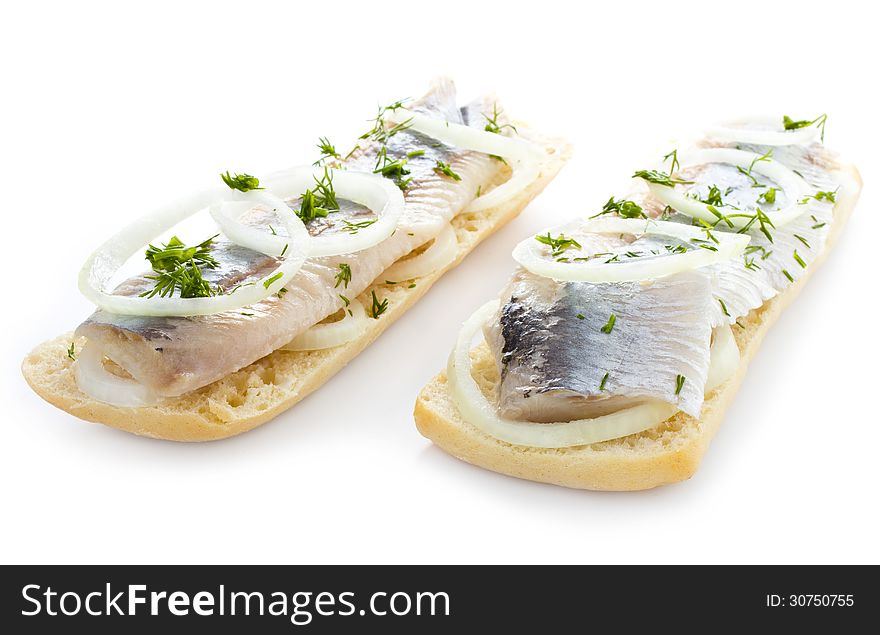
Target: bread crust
(666,454)
(259,392)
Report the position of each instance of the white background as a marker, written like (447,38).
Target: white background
(108,110)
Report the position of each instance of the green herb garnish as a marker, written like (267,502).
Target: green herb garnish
(319,200)
(379,132)
(660,178)
(179,268)
(492,124)
(71,351)
(723,307)
(674,165)
(768,197)
(799,260)
(603,382)
(443,168)
(241,182)
(790,124)
(353,228)
(831,197)
(788,275)
(609,325)
(268,281)
(748,173)
(392,169)
(328,151)
(559,244)
(623,208)
(378,308)
(343,277)
(679,383)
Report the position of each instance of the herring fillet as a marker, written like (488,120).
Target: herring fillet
(742,289)
(176,355)
(553,354)
(552,364)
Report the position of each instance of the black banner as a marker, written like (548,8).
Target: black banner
(290,599)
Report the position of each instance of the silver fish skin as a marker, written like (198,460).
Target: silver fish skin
(553,355)
(175,355)
(552,364)
(768,267)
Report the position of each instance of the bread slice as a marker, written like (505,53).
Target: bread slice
(257,393)
(668,453)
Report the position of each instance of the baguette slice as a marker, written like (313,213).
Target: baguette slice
(669,453)
(257,393)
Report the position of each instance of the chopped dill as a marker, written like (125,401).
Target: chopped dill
(377,308)
(679,383)
(660,178)
(768,197)
(609,325)
(241,182)
(319,200)
(830,197)
(179,268)
(492,124)
(559,244)
(268,281)
(343,277)
(328,151)
(622,207)
(353,228)
(380,132)
(790,124)
(674,164)
(394,169)
(443,168)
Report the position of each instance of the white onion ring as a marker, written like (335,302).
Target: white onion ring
(442,253)
(102,385)
(477,410)
(524,157)
(724,357)
(331,334)
(109,257)
(795,187)
(738,130)
(530,253)
(370,190)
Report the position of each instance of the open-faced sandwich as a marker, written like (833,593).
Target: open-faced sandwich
(612,354)
(212,334)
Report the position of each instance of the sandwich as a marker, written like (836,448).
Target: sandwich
(609,359)
(211,334)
